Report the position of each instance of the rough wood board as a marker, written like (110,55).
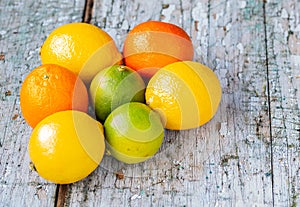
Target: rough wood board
(227,162)
(24,26)
(283,35)
(224,163)
(237,52)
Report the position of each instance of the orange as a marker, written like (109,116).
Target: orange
(113,87)
(152,45)
(66,146)
(51,88)
(186,94)
(134,132)
(82,48)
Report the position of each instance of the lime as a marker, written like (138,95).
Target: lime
(134,132)
(113,87)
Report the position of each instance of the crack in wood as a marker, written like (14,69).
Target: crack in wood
(60,195)
(248,177)
(88,11)
(61,190)
(269,97)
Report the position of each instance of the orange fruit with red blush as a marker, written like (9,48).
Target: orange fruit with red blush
(152,45)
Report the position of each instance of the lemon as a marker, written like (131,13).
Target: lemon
(133,132)
(113,87)
(82,48)
(186,94)
(66,146)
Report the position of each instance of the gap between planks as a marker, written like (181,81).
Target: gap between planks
(88,11)
(269,99)
(60,195)
(61,190)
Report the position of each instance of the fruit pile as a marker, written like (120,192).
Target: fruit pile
(87,97)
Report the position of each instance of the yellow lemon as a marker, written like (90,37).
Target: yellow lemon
(82,48)
(66,146)
(186,94)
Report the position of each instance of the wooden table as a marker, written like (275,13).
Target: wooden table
(248,155)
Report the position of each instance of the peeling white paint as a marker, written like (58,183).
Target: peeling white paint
(297,29)
(135,196)
(223,129)
(242,128)
(2,32)
(242,4)
(295,60)
(125,25)
(199,12)
(240,47)
(284,14)
(228,27)
(168,12)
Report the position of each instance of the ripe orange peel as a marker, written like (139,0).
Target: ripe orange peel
(50,88)
(164,44)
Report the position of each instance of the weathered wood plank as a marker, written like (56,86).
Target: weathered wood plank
(24,26)
(237,52)
(283,35)
(146,183)
(227,162)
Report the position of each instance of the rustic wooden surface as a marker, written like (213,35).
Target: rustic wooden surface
(248,155)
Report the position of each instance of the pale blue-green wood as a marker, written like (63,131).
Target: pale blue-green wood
(227,162)
(24,27)
(283,39)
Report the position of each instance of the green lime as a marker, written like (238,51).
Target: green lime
(113,87)
(134,132)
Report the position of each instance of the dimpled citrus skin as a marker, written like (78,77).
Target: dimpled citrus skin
(51,88)
(113,87)
(67,146)
(72,46)
(152,45)
(133,132)
(186,94)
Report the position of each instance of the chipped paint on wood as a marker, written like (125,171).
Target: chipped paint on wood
(240,158)
(284,66)
(24,26)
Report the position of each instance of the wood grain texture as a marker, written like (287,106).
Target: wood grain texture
(248,155)
(283,39)
(237,52)
(227,162)
(24,27)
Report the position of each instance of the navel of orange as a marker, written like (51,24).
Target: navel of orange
(51,88)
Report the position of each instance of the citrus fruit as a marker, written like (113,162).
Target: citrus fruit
(66,146)
(82,48)
(51,88)
(152,45)
(186,94)
(113,87)
(133,132)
